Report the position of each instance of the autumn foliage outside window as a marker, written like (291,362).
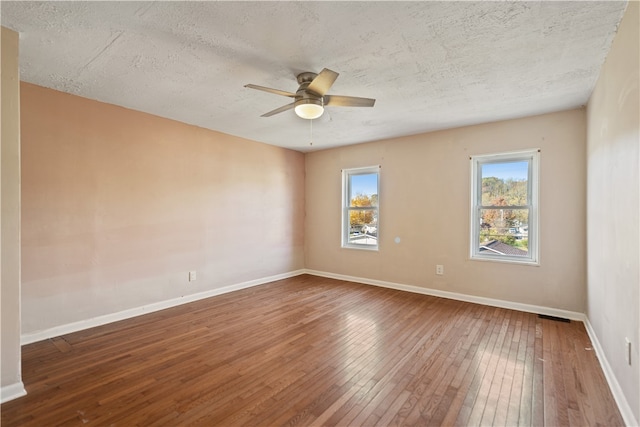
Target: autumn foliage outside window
(505,207)
(360,208)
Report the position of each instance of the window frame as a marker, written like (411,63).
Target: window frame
(346,208)
(533,186)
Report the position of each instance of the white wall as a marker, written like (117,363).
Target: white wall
(10,218)
(613,209)
(424,200)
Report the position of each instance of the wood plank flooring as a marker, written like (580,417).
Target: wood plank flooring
(310,351)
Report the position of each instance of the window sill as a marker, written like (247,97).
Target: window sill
(506,261)
(361,247)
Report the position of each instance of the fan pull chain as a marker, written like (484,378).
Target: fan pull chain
(311,133)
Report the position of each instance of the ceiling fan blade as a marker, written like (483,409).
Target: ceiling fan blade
(270,90)
(322,82)
(279,110)
(347,101)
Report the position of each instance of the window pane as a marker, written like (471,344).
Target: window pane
(364,190)
(505,184)
(504,232)
(363,227)
(360,208)
(504,206)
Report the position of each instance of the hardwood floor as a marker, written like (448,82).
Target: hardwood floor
(316,351)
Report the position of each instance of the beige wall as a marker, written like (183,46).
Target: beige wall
(613,208)
(424,200)
(10,216)
(118,206)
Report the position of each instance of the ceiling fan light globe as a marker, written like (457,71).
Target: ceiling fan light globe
(309,110)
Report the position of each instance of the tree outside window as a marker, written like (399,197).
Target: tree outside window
(360,208)
(504,207)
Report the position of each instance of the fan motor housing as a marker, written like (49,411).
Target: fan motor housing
(306,77)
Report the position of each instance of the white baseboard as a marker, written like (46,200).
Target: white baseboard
(12,391)
(57,331)
(616,390)
(573,315)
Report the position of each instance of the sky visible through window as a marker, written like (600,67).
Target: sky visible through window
(517,171)
(364,184)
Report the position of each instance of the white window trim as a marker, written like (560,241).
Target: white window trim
(534,212)
(346,190)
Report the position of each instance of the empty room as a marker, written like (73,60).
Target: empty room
(320,213)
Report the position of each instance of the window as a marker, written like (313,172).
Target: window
(504,207)
(360,207)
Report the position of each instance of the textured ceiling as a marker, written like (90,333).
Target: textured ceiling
(430,65)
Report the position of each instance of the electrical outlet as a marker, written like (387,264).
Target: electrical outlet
(439,270)
(192,276)
(627,350)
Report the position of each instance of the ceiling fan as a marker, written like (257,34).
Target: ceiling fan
(311,96)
